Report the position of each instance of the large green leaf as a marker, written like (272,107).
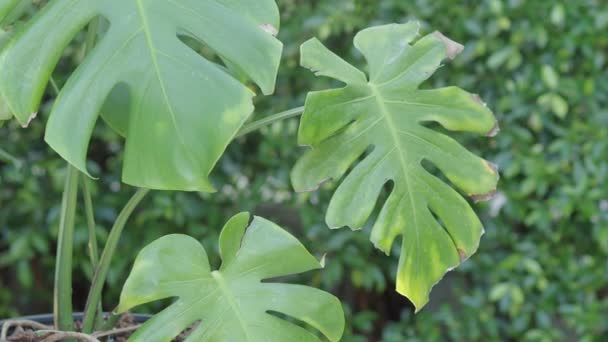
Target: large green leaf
(382,120)
(7,10)
(232,304)
(183,109)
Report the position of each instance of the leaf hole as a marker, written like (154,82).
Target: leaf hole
(202,49)
(290,279)
(460,136)
(434,125)
(297,322)
(431,168)
(443,226)
(189,330)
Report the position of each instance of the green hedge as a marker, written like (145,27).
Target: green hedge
(541,272)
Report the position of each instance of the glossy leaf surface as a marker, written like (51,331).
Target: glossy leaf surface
(182,109)
(381,119)
(232,304)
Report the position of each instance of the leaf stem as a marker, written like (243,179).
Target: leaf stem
(62,307)
(92,227)
(254,126)
(90,215)
(62,301)
(106,257)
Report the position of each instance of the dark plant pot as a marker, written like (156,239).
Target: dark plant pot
(47,319)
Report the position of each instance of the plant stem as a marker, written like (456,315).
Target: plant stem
(110,321)
(62,307)
(62,301)
(93,249)
(90,215)
(254,126)
(106,257)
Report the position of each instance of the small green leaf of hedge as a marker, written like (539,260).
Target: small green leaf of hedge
(182,109)
(232,304)
(381,120)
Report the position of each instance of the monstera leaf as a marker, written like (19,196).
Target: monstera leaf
(382,120)
(183,109)
(232,304)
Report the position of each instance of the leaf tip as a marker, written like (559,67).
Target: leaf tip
(30,119)
(494,131)
(323,260)
(462,254)
(484,197)
(491,166)
(478,99)
(452,48)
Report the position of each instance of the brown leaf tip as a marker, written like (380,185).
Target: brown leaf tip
(484,197)
(478,99)
(494,131)
(452,48)
(463,255)
(270,29)
(491,166)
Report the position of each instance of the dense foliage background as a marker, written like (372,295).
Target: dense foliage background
(542,270)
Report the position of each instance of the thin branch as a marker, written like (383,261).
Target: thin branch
(103,267)
(93,249)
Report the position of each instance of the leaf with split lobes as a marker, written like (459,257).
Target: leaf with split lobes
(182,109)
(233,303)
(382,119)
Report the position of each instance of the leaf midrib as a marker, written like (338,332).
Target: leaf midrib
(225,290)
(394,132)
(152,50)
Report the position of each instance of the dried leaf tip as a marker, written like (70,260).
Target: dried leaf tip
(452,48)
(494,131)
(491,166)
(478,99)
(270,29)
(29,120)
(484,197)
(463,255)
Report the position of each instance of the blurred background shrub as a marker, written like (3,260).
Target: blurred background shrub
(541,273)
